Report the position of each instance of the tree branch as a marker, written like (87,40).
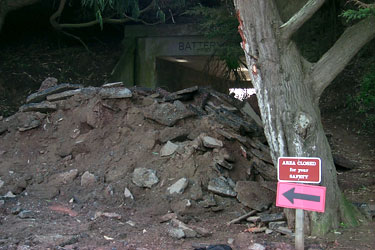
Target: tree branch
(361,4)
(339,55)
(104,20)
(298,19)
(57,14)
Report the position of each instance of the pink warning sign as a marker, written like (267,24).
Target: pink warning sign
(307,197)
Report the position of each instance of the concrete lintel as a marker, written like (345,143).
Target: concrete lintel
(161,30)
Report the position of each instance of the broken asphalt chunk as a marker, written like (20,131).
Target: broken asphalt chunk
(42,107)
(166,113)
(115,93)
(41,96)
(252,195)
(221,186)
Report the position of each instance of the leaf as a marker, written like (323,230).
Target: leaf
(160,15)
(99,18)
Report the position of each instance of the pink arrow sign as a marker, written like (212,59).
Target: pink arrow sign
(307,197)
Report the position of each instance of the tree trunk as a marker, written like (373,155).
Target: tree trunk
(9,5)
(3,12)
(287,100)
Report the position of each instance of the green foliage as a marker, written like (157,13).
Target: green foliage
(221,23)
(361,13)
(359,9)
(364,101)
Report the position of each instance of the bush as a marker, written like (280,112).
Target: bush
(364,101)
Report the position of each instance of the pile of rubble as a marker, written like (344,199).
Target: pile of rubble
(193,150)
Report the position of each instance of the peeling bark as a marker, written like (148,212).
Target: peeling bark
(284,84)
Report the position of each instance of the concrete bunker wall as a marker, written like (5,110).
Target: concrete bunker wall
(149,53)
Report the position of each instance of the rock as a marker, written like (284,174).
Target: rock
(113,85)
(108,191)
(272,217)
(249,111)
(178,187)
(43,191)
(184,94)
(130,223)
(195,191)
(3,127)
(2,202)
(173,133)
(9,195)
(252,195)
(128,194)
(221,186)
(43,107)
(54,240)
(284,230)
(64,178)
(168,149)
(115,93)
(223,163)
(270,185)
(166,113)
(263,155)
(41,96)
(253,219)
(1,183)
(89,92)
(87,179)
(267,171)
(181,206)
(256,246)
(167,217)
(108,215)
(143,177)
(276,224)
(29,120)
(226,155)
(63,95)
(177,233)
(189,233)
(230,241)
(367,209)
(48,83)
(208,201)
(210,142)
(16,210)
(25,214)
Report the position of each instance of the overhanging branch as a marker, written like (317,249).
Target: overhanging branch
(60,26)
(298,19)
(339,55)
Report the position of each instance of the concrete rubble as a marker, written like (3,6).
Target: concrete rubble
(195,150)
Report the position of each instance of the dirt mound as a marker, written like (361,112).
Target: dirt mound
(113,168)
(110,153)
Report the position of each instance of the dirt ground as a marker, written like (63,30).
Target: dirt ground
(54,210)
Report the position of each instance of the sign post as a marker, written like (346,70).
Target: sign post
(300,196)
(299,237)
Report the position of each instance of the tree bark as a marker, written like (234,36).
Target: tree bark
(284,86)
